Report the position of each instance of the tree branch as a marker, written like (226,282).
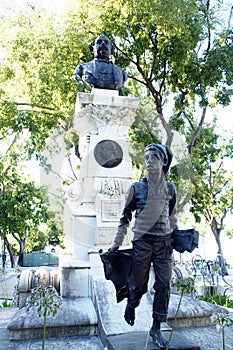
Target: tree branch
(148,128)
(15,237)
(196,132)
(34,106)
(12,143)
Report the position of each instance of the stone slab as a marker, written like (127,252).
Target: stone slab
(142,340)
(106,97)
(193,313)
(205,337)
(75,282)
(91,342)
(76,317)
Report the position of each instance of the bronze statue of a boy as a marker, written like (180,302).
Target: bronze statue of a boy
(153,200)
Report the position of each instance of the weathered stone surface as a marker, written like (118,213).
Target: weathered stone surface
(141,340)
(205,337)
(30,279)
(102,120)
(193,313)
(75,317)
(25,281)
(75,279)
(40,276)
(101,112)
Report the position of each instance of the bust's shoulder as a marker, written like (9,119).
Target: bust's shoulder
(119,71)
(89,65)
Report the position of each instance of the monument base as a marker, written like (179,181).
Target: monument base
(114,331)
(76,317)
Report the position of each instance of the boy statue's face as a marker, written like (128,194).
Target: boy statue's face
(154,162)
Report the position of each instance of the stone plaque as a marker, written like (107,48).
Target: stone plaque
(110,210)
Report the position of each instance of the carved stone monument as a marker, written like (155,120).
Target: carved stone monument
(102,119)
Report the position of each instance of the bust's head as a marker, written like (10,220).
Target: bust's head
(101,47)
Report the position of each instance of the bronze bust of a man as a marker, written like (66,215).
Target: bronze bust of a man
(101,72)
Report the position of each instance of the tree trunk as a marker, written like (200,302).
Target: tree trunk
(21,242)
(8,246)
(21,251)
(216,231)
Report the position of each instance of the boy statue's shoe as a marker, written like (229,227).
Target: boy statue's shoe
(158,338)
(130,314)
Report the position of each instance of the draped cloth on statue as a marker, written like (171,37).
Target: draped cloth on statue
(117,267)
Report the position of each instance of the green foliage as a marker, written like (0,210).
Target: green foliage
(54,231)
(222,300)
(212,192)
(165,53)
(36,241)
(229,233)
(184,285)
(143,132)
(45,299)
(6,303)
(23,206)
(37,93)
(222,320)
(162,54)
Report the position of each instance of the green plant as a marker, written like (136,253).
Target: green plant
(222,300)
(222,320)
(18,270)
(47,301)
(184,286)
(6,303)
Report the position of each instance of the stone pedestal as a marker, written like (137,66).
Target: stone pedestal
(75,279)
(102,120)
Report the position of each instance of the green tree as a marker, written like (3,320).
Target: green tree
(36,92)
(212,195)
(186,54)
(23,208)
(182,53)
(54,230)
(36,241)
(34,102)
